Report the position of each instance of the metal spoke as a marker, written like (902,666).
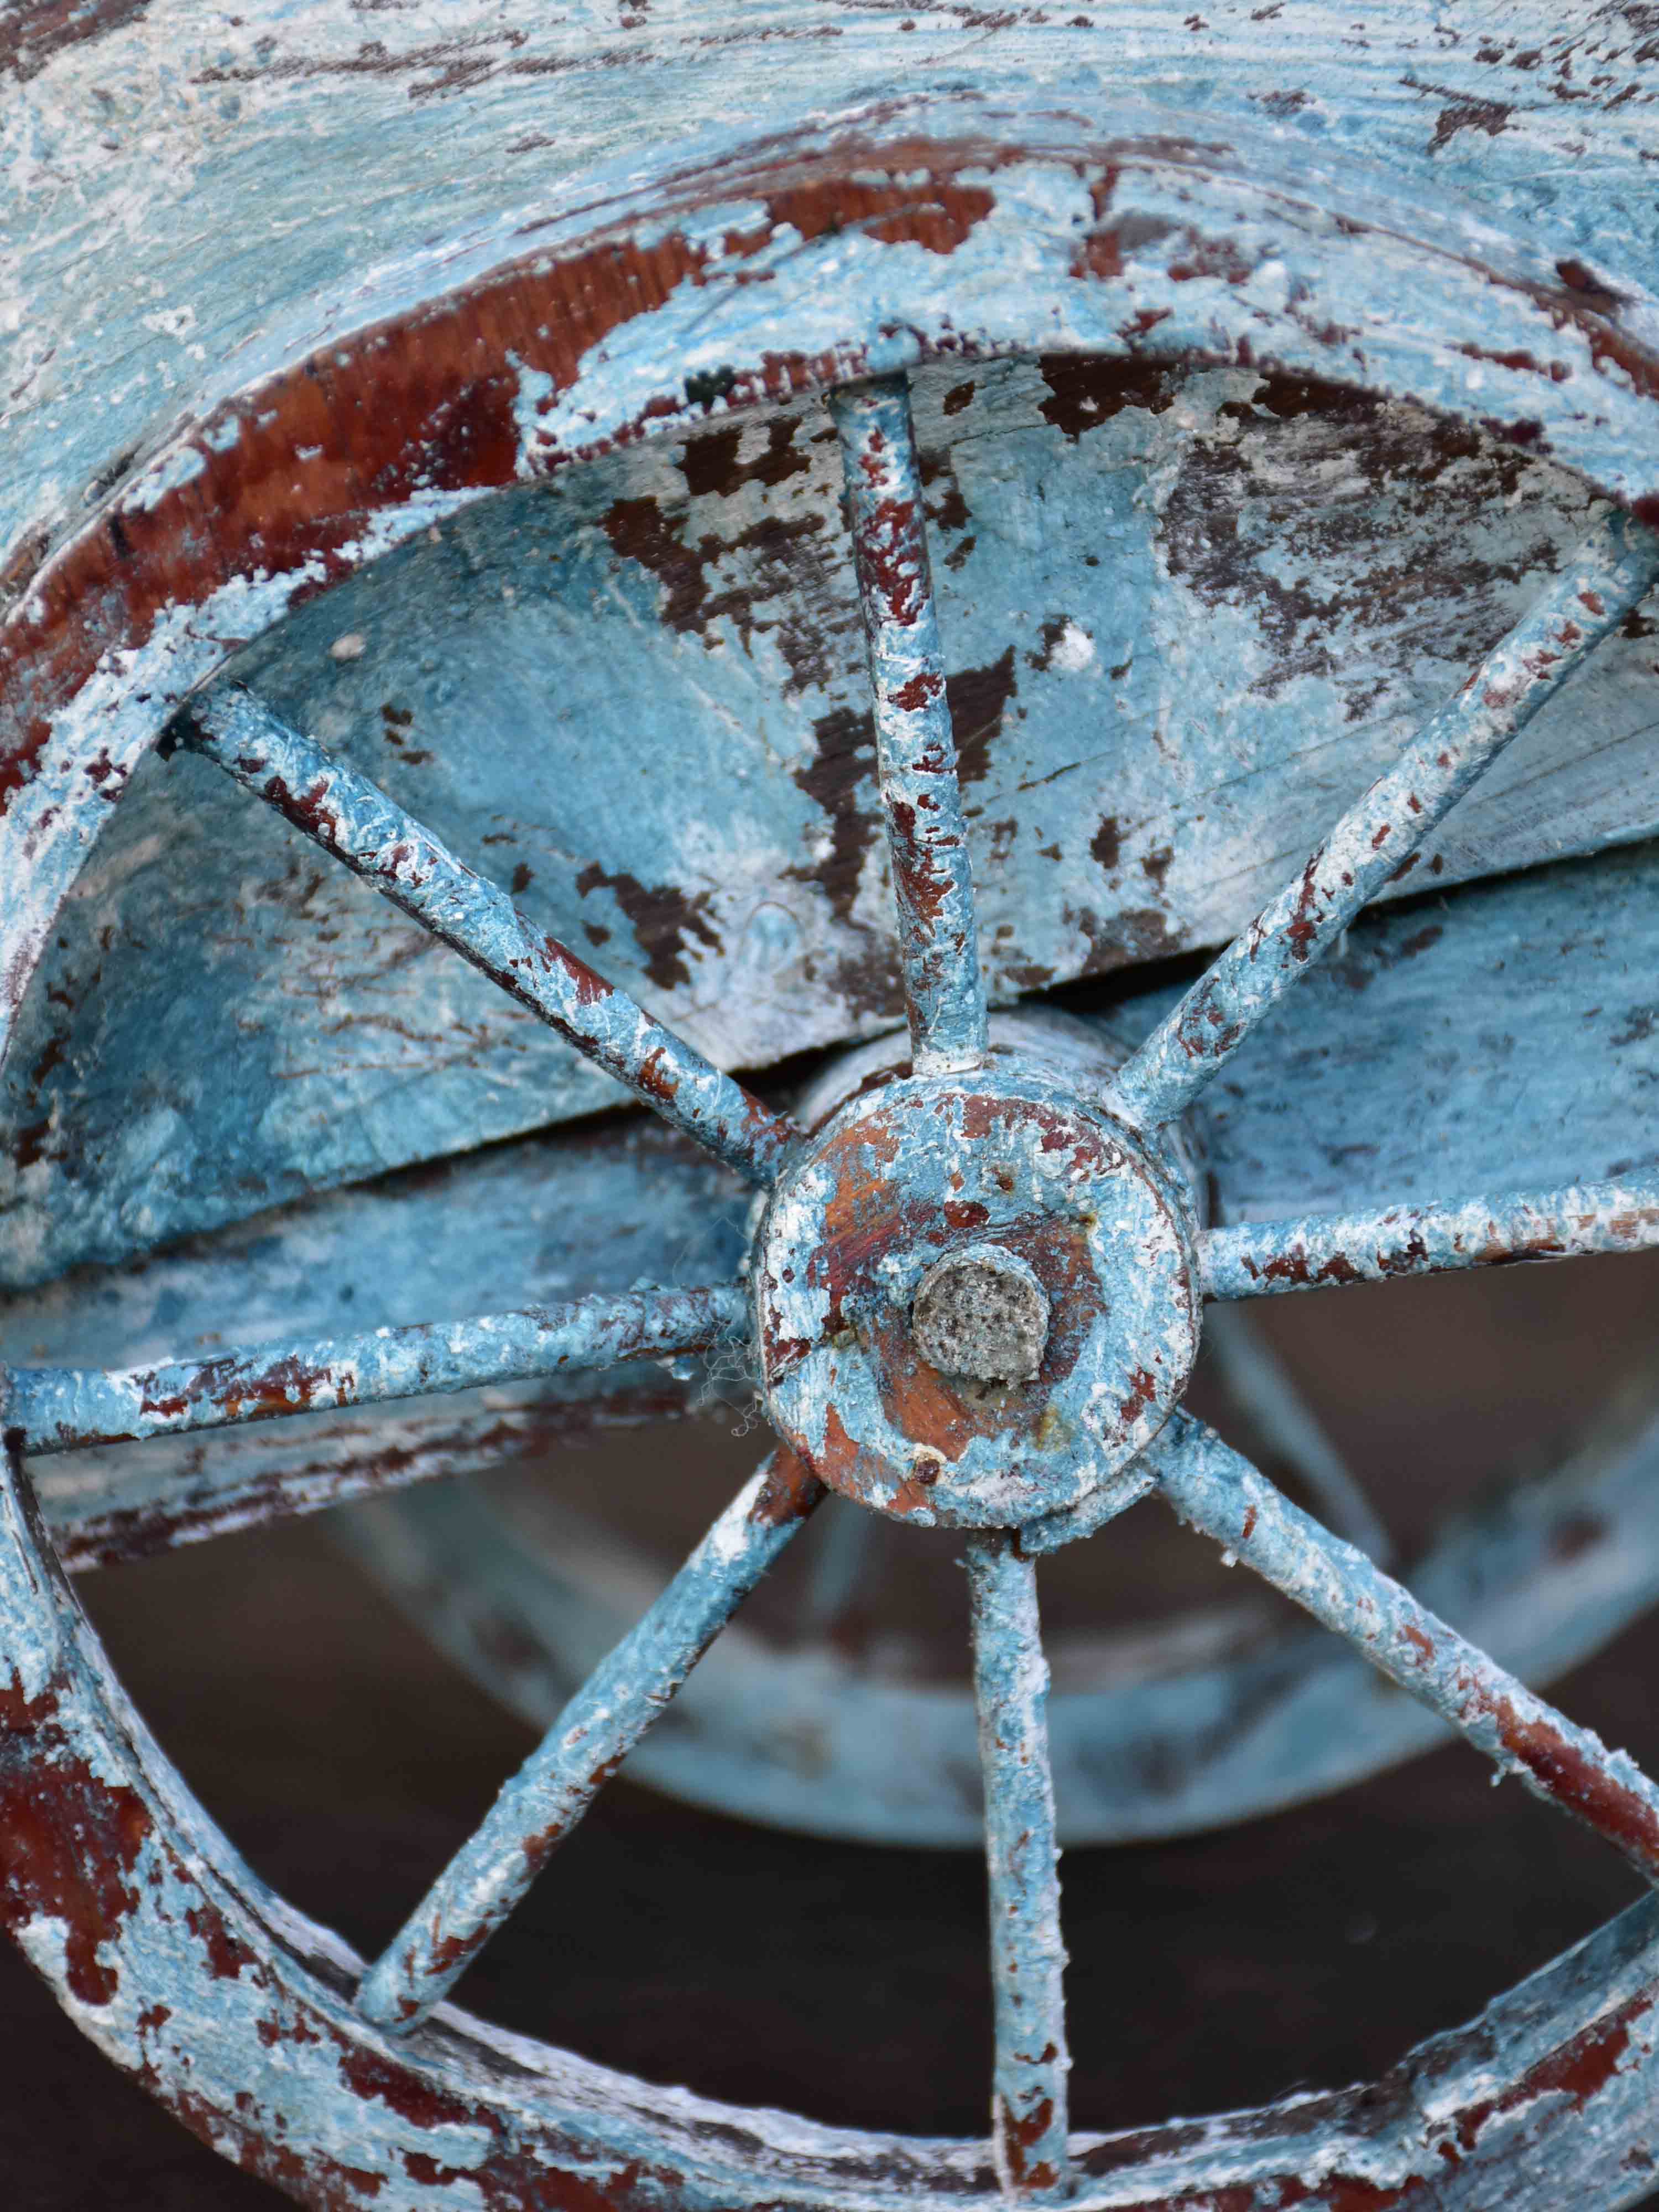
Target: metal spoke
(1028,1958)
(1258,1383)
(545,1799)
(1377,842)
(66,1408)
(1259,1259)
(355,821)
(1217,1490)
(916,750)
(840,1573)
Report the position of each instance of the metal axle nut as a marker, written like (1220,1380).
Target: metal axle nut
(982,1314)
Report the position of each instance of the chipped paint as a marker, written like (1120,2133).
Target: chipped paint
(915,746)
(359,825)
(1266,1257)
(537,1808)
(322,431)
(1217,1491)
(54,1409)
(1379,839)
(1010,1692)
(915,1169)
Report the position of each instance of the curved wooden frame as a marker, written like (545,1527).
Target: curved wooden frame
(287,483)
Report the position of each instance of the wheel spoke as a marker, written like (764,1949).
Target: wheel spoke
(841,1570)
(1261,1259)
(1028,1960)
(1377,842)
(1217,1490)
(543,1802)
(916,750)
(355,821)
(67,1408)
(1257,1383)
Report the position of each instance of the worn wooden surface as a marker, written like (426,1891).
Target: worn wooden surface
(1203,592)
(1150,742)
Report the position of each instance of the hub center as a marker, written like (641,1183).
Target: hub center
(976,1296)
(982,1313)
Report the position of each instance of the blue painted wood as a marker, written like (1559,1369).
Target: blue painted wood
(356,823)
(1378,840)
(100,366)
(1269,684)
(542,1222)
(1499,1036)
(248,1002)
(1038,237)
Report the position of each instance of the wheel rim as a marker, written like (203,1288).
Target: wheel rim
(123,1941)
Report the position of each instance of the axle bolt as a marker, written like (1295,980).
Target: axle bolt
(982,1314)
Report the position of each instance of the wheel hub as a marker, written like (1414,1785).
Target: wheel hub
(975,1294)
(983,1315)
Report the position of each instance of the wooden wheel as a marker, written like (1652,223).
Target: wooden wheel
(996,1206)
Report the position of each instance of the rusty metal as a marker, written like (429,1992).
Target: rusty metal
(955,228)
(913,1172)
(54,1409)
(1259,1259)
(981,1313)
(544,1800)
(1029,2131)
(915,746)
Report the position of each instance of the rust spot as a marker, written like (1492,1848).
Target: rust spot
(1463,114)
(840,779)
(656,1077)
(1143,1389)
(1303,930)
(405,2091)
(69,1843)
(1557,371)
(1019,2136)
(31,35)
(1422,1645)
(226,1954)
(789,1492)
(777,558)
(1579,2070)
(977,699)
(1084,391)
(1210,257)
(921,691)
(964,1214)
(709,463)
(665,918)
(1580,1783)
(1589,286)
(920,210)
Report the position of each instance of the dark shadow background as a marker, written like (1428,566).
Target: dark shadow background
(346,1759)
